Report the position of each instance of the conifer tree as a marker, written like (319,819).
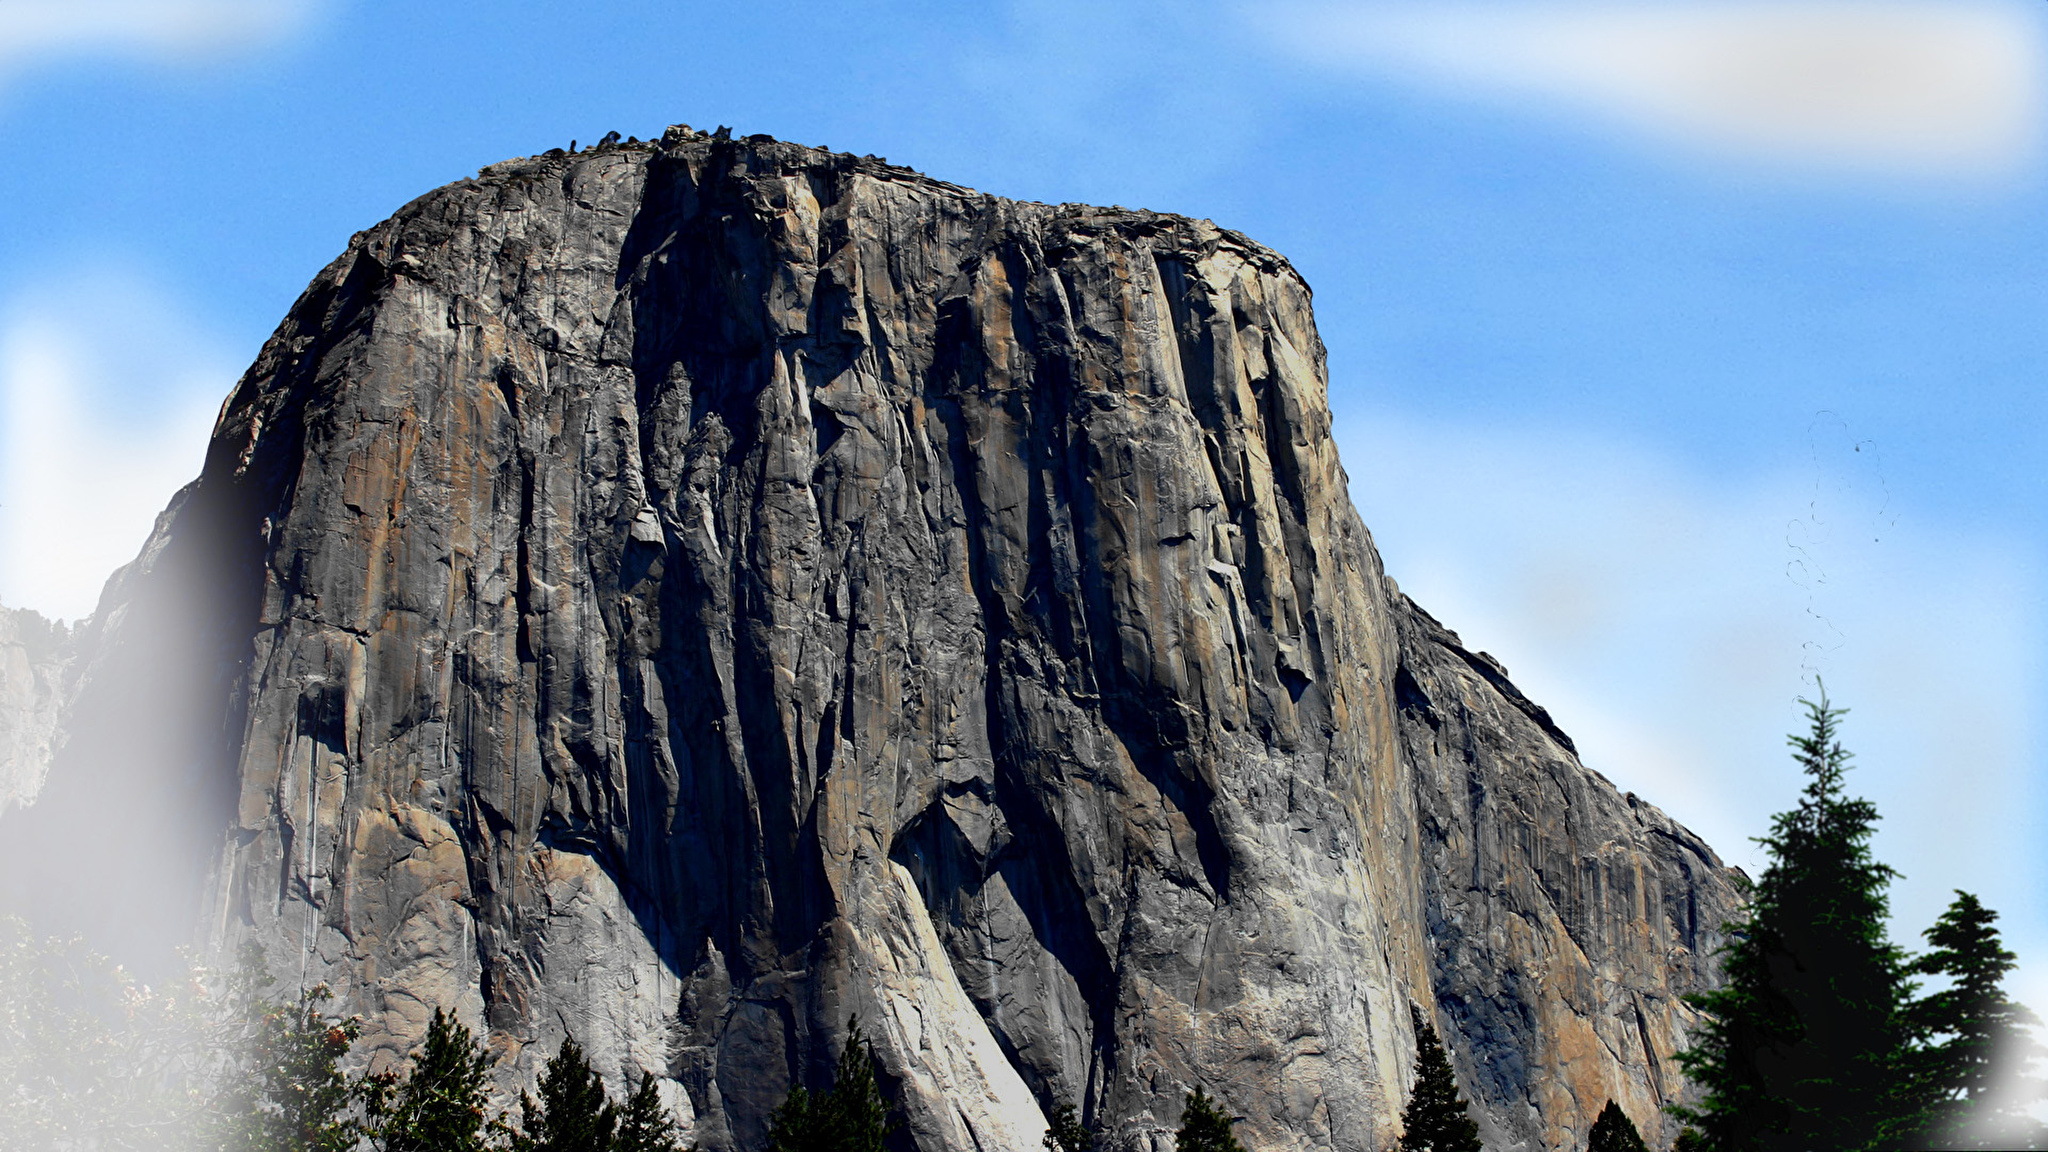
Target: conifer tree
(855,1109)
(573,1113)
(1065,1132)
(1436,1119)
(440,1106)
(645,1125)
(796,1124)
(1614,1132)
(1974,1039)
(1205,1127)
(1804,1045)
(852,1116)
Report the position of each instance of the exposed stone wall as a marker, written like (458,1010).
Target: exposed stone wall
(688,595)
(32,652)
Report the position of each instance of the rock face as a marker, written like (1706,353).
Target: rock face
(1565,920)
(32,653)
(689,595)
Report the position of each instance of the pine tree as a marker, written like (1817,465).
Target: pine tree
(852,1116)
(1614,1132)
(645,1125)
(1972,1037)
(795,1125)
(441,1105)
(1805,1042)
(573,1113)
(1066,1133)
(855,1109)
(1436,1119)
(1204,1127)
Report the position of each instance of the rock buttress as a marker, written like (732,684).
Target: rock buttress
(690,595)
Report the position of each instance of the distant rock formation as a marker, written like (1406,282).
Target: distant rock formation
(689,594)
(32,653)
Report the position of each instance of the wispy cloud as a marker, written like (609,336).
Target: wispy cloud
(107,395)
(36,31)
(1940,88)
(1669,622)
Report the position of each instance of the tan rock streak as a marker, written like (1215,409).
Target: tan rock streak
(701,592)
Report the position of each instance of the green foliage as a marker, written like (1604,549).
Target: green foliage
(90,1061)
(1205,1127)
(573,1113)
(645,1125)
(88,1057)
(283,1087)
(797,1125)
(852,1116)
(442,1105)
(1066,1133)
(1436,1119)
(1805,1042)
(855,1104)
(1614,1132)
(1973,1039)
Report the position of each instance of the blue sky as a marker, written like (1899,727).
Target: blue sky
(1680,349)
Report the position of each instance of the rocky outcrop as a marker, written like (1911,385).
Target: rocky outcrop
(689,595)
(1566,920)
(32,653)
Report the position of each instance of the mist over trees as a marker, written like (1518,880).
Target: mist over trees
(1815,1038)
(93,1061)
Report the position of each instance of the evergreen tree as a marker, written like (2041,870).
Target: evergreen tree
(646,1126)
(1204,1127)
(852,1116)
(1614,1132)
(441,1105)
(1973,1038)
(1436,1119)
(855,1109)
(1805,1042)
(797,1124)
(573,1113)
(1066,1133)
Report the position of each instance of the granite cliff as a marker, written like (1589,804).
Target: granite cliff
(688,594)
(32,652)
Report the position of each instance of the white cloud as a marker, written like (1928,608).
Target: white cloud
(1942,88)
(106,399)
(1668,623)
(33,31)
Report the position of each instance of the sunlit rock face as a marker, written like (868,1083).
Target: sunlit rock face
(690,595)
